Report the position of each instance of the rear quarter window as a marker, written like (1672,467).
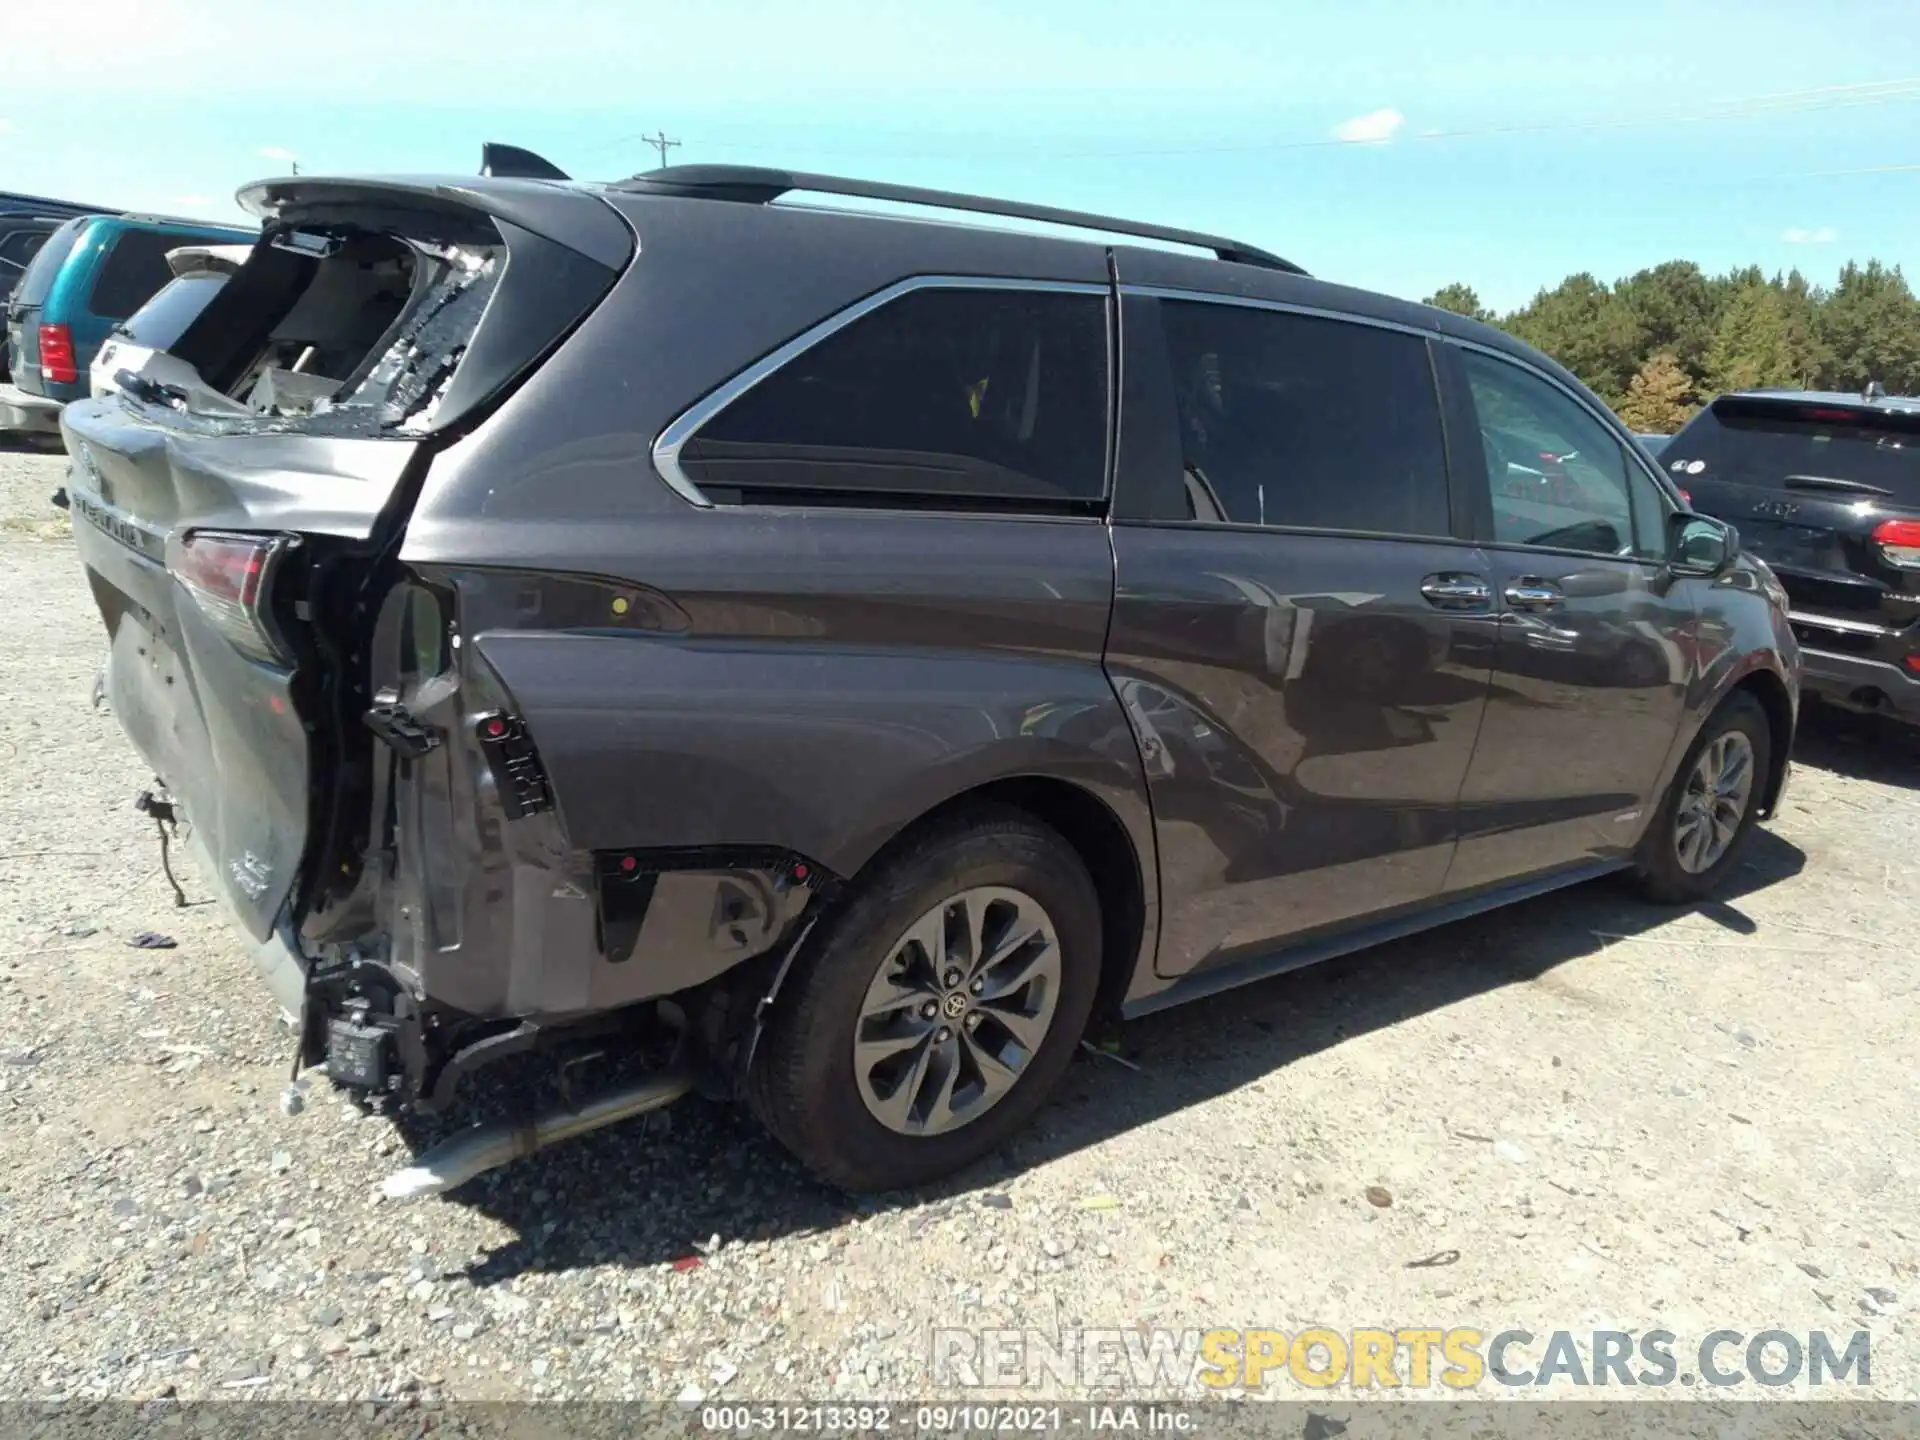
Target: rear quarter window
(133,271)
(941,396)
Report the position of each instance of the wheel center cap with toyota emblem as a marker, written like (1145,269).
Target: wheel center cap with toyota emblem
(955,1005)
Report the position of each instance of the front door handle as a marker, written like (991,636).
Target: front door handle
(1529,592)
(1452,590)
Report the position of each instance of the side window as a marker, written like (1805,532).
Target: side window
(132,273)
(20,247)
(976,396)
(1556,476)
(1296,421)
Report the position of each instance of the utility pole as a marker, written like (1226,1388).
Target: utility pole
(661,143)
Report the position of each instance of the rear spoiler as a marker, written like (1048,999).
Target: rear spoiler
(1818,409)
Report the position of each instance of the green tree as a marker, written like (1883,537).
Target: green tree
(1750,346)
(1588,329)
(1870,326)
(1742,328)
(1461,300)
(1659,397)
(1802,312)
(1675,307)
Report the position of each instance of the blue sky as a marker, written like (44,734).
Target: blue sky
(1503,144)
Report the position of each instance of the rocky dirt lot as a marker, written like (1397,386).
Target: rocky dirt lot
(1582,1113)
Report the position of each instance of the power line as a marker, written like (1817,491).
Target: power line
(1904,90)
(1862,170)
(661,143)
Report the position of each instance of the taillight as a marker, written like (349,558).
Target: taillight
(1899,542)
(228,576)
(56,355)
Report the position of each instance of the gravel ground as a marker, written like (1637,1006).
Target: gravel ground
(1583,1112)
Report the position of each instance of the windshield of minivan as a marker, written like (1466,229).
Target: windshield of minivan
(38,280)
(1763,446)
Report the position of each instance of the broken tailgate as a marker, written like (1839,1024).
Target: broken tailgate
(239,552)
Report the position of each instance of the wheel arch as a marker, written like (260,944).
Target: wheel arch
(1777,702)
(1091,826)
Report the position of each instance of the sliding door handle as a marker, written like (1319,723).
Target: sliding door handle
(1457,591)
(1529,592)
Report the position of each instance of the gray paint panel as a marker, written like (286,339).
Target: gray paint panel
(830,675)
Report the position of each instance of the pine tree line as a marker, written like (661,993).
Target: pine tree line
(1659,344)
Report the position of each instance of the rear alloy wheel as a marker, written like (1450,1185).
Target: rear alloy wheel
(944,1001)
(1711,806)
(957,1011)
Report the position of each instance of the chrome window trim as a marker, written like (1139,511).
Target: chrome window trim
(673,439)
(1254,302)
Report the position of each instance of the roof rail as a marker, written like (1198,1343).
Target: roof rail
(755,185)
(154,217)
(13,202)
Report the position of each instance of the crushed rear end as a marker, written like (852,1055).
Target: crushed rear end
(361,788)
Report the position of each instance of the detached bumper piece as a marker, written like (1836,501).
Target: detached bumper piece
(515,765)
(459,1158)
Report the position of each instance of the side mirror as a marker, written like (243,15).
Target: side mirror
(1700,545)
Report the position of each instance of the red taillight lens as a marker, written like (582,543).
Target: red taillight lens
(1899,542)
(56,355)
(1913,663)
(227,575)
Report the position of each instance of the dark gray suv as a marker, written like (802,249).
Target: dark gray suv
(855,650)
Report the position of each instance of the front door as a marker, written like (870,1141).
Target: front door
(1590,676)
(1301,646)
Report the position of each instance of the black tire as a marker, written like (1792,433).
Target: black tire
(1661,875)
(803,1084)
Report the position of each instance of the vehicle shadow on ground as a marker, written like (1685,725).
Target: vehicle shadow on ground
(16,444)
(1860,747)
(651,1192)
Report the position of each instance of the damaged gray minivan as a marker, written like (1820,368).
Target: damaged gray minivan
(867,648)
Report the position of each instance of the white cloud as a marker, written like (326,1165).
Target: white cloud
(1376,127)
(277,152)
(1825,235)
